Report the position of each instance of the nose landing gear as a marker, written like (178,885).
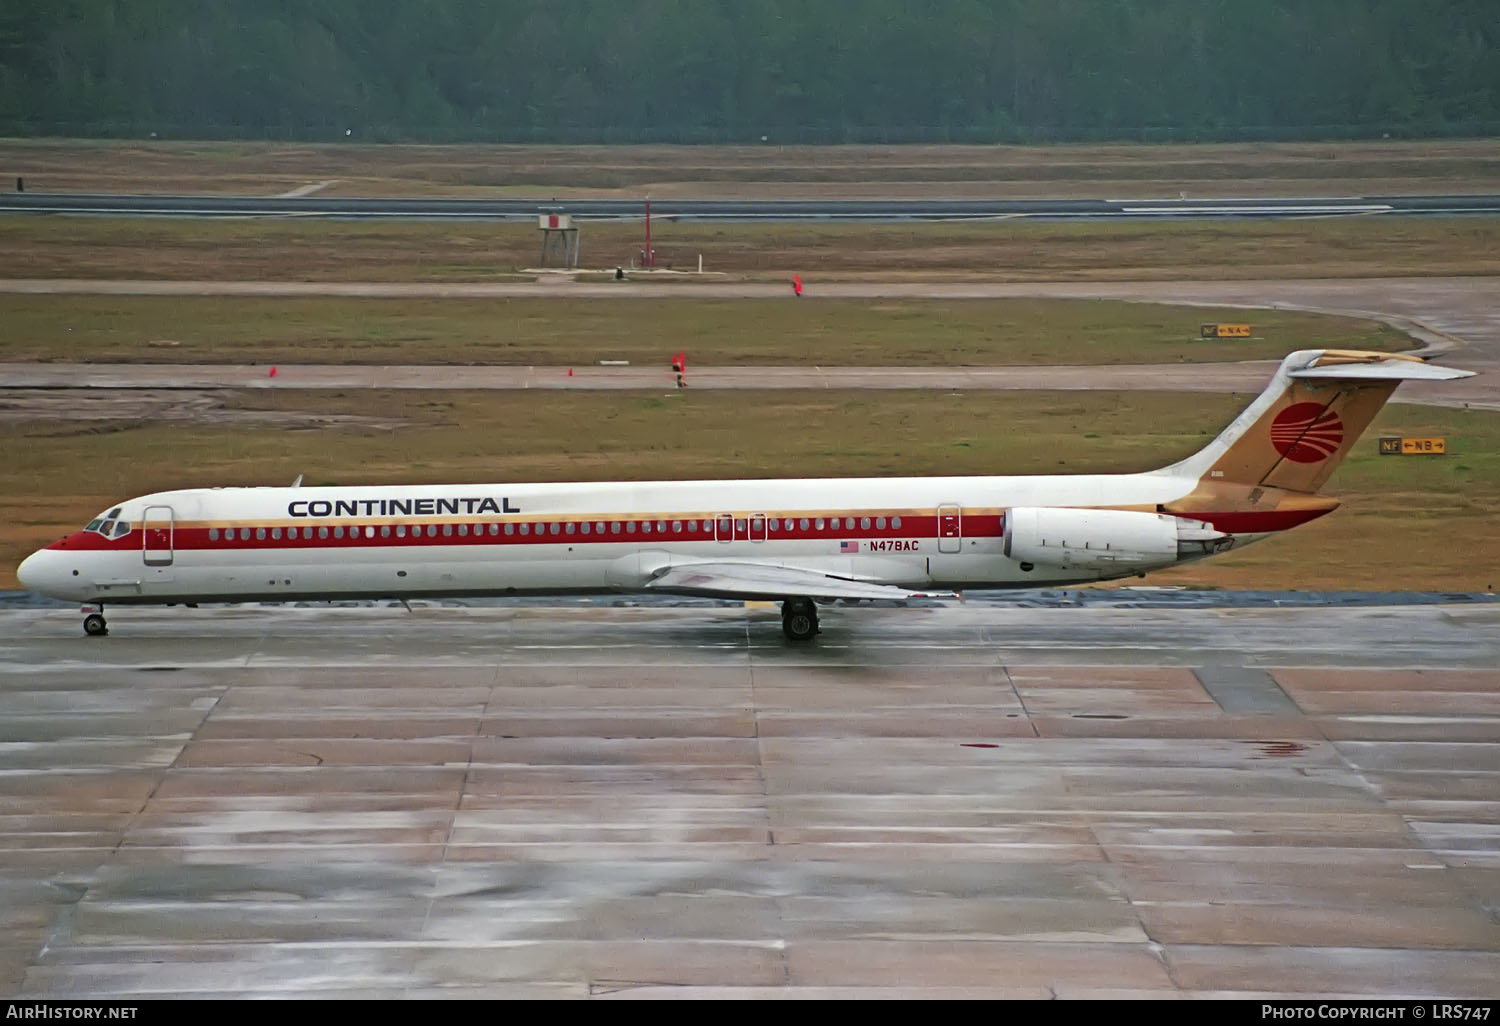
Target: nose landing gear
(799,619)
(94,624)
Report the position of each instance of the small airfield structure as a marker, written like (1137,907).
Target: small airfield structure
(559,232)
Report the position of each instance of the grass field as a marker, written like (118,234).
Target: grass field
(48,246)
(714,332)
(1408,522)
(769,171)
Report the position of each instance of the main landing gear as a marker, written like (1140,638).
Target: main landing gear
(94,624)
(799,619)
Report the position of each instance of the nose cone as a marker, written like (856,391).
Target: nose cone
(42,571)
(29,572)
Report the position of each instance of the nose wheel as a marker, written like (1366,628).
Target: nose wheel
(95,626)
(799,619)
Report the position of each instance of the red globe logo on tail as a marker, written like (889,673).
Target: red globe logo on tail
(1303,433)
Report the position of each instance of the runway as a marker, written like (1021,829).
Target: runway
(534,801)
(667,208)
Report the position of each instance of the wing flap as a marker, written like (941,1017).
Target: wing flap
(763,581)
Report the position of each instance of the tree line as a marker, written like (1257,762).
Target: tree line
(718,71)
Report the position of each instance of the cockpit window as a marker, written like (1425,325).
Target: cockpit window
(109,524)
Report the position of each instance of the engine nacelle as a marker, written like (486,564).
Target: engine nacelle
(1091,539)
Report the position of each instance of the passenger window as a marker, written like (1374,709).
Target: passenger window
(525,528)
(880,523)
(400,530)
(307,534)
(213,534)
(385,531)
(692,527)
(896,523)
(494,530)
(819,524)
(370,531)
(338,532)
(432,530)
(630,527)
(322,532)
(864,523)
(677,527)
(510,529)
(586,527)
(661,526)
(599,527)
(646,527)
(614,528)
(260,534)
(447,530)
(555,528)
(463,530)
(276,533)
(804,523)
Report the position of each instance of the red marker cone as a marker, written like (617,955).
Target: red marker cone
(570,372)
(273,372)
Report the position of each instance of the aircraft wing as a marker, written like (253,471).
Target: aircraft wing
(761,581)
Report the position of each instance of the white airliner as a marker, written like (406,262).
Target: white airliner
(793,541)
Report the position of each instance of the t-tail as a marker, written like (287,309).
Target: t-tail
(1281,450)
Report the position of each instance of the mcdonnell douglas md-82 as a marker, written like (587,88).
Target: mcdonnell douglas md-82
(796,542)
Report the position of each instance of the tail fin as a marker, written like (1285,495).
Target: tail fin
(1310,415)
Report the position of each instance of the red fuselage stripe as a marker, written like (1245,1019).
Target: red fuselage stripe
(540,533)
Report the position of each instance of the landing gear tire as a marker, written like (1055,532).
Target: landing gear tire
(799,619)
(94,625)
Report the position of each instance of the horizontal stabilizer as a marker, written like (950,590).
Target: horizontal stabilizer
(1381,370)
(766,582)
